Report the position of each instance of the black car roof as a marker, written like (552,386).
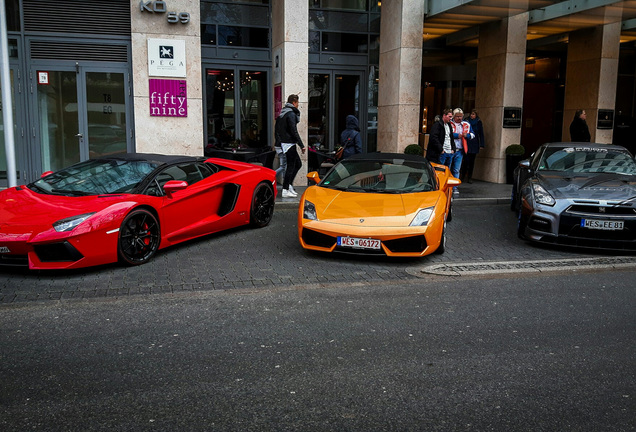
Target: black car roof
(385,156)
(159,159)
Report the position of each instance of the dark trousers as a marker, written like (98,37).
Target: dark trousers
(293,165)
(468,166)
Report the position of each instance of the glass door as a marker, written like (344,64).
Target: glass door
(236,108)
(333,96)
(81,114)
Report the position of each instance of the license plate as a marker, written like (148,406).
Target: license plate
(602,224)
(4,249)
(360,243)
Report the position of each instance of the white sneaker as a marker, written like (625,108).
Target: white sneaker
(289,194)
(292,190)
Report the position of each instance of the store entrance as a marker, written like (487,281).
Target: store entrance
(333,95)
(81,113)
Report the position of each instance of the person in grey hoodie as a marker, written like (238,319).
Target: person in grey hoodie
(286,136)
(350,137)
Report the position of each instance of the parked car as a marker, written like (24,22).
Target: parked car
(380,203)
(127,207)
(577,194)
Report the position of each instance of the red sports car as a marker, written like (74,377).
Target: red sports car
(126,207)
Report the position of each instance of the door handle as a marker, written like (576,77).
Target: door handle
(79,135)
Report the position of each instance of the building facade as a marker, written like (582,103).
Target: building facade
(90,78)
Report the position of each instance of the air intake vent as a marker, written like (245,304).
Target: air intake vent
(78,51)
(110,17)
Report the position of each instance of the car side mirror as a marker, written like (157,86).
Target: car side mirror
(314,176)
(174,186)
(525,163)
(46,173)
(452,181)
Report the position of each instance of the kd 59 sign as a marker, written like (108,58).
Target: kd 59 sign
(160,6)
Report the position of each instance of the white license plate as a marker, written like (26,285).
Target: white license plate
(360,243)
(4,249)
(602,224)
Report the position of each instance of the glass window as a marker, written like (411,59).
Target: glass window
(208,34)
(234,14)
(220,107)
(253,105)
(360,5)
(244,37)
(106,110)
(13,14)
(345,42)
(334,21)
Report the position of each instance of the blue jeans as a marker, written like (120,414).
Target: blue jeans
(456,163)
(282,158)
(445,159)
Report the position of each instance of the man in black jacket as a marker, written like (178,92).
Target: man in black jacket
(286,136)
(441,132)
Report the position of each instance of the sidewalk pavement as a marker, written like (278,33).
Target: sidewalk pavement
(475,193)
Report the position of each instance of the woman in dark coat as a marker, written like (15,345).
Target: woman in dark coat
(350,137)
(473,145)
(579,131)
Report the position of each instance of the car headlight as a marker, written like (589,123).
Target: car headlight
(309,211)
(422,217)
(68,224)
(542,196)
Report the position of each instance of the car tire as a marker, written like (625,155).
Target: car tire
(442,243)
(262,208)
(521,227)
(139,237)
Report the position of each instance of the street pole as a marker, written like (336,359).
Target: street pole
(7,102)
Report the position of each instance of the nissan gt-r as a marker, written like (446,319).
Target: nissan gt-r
(379,203)
(577,194)
(126,207)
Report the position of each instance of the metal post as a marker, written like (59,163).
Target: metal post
(7,102)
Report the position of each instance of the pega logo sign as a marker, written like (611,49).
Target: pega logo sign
(168,98)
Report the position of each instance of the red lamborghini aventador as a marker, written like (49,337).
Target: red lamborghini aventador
(126,207)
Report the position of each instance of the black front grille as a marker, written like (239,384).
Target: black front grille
(56,252)
(14,260)
(407,244)
(317,239)
(540,224)
(601,210)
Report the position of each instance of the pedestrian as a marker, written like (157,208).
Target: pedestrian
(473,146)
(286,132)
(461,133)
(282,161)
(350,137)
(579,131)
(440,138)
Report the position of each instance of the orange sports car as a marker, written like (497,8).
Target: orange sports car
(378,203)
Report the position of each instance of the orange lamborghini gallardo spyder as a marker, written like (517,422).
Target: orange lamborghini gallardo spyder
(379,203)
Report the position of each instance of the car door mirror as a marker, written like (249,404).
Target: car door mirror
(47,173)
(174,186)
(314,176)
(452,181)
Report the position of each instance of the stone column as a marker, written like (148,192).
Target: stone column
(290,39)
(500,79)
(400,74)
(591,76)
(168,135)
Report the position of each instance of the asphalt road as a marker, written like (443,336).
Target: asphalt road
(272,257)
(531,353)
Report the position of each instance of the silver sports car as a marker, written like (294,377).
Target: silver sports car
(577,194)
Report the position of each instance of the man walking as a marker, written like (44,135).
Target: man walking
(461,132)
(286,133)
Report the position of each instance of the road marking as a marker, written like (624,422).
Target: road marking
(506,267)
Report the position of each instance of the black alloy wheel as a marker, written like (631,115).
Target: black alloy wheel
(262,208)
(139,237)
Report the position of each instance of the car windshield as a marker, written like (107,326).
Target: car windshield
(95,177)
(587,160)
(380,175)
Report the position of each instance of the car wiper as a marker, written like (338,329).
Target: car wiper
(71,192)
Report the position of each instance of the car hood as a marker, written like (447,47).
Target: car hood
(21,208)
(606,186)
(378,209)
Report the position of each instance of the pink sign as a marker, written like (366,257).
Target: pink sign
(168,98)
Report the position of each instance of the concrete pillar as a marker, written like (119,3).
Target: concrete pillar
(591,76)
(168,135)
(400,74)
(500,79)
(290,43)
